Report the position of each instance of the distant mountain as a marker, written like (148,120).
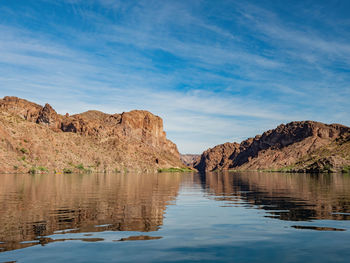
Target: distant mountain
(37,139)
(304,146)
(189,159)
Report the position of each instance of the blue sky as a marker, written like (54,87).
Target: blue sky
(215,71)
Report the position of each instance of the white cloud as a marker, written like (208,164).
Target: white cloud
(223,90)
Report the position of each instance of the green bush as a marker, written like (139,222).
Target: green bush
(43,169)
(174,170)
(34,169)
(23,150)
(80,166)
(83,169)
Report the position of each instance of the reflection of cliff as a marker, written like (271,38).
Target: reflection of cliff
(286,196)
(32,206)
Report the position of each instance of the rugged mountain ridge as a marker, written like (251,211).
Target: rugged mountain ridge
(33,136)
(280,148)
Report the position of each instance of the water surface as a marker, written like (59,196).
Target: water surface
(215,217)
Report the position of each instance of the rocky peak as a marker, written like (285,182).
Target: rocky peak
(144,126)
(48,116)
(305,135)
(25,109)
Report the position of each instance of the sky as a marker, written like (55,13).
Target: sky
(215,71)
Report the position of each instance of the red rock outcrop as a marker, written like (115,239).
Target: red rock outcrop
(135,139)
(274,149)
(23,108)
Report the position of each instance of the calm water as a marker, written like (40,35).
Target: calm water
(218,217)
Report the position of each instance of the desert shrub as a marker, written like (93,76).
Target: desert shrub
(174,170)
(43,169)
(23,150)
(80,166)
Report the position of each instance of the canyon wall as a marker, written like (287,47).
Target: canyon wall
(286,146)
(37,137)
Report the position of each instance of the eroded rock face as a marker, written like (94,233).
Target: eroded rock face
(137,135)
(275,148)
(146,128)
(219,157)
(23,108)
(189,159)
(48,116)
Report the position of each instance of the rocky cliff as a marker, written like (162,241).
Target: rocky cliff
(282,148)
(189,159)
(36,138)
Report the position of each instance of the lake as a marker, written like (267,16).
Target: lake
(213,217)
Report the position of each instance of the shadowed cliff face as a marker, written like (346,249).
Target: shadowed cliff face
(189,159)
(295,197)
(275,148)
(132,140)
(36,206)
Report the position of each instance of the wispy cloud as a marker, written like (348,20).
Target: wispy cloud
(213,72)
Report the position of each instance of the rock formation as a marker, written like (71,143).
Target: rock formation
(34,137)
(189,159)
(283,147)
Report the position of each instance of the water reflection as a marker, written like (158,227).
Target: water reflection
(318,228)
(295,197)
(36,206)
(141,237)
(41,209)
